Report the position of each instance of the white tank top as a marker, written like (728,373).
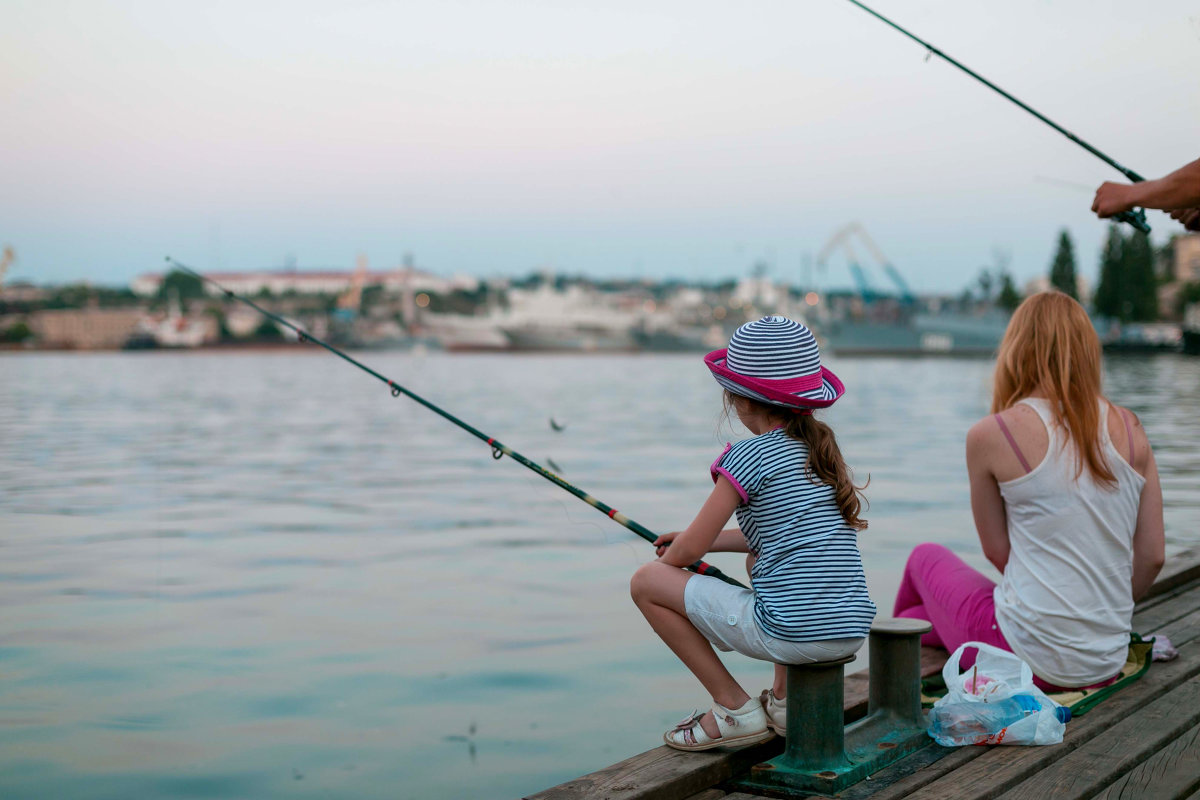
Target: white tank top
(1065,602)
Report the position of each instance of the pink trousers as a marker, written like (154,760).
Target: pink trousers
(939,587)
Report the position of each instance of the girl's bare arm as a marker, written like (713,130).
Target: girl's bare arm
(697,539)
(731,540)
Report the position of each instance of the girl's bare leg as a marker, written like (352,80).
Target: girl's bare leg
(657,589)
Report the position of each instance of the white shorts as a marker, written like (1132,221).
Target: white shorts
(725,615)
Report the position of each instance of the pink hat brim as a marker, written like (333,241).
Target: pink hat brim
(772,389)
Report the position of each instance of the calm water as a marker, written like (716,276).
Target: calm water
(260,576)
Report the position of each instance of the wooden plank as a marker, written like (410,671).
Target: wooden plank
(932,661)
(662,774)
(1153,600)
(1000,769)
(1147,620)
(903,777)
(1180,568)
(709,794)
(906,785)
(1117,750)
(1173,773)
(1184,630)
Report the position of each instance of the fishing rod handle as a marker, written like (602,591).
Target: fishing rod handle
(700,567)
(1135,217)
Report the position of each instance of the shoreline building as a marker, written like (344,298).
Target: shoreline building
(85,328)
(335,282)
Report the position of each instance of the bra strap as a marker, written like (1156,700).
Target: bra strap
(1012,442)
(1128,432)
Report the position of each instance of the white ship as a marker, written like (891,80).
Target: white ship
(463,333)
(574,319)
(174,330)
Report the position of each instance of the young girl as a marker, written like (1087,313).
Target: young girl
(797,512)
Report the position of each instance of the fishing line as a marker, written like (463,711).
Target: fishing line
(1136,217)
(499,449)
(1079,187)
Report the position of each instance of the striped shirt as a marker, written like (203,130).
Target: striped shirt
(808,578)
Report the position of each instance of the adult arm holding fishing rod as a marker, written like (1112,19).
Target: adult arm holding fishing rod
(1177,193)
(1129,213)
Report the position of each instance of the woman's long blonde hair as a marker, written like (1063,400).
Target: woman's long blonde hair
(1051,349)
(824,456)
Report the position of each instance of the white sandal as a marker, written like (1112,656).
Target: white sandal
(776,711)
(738,728)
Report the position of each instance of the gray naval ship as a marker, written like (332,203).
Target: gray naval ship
(951,333)
(872,322)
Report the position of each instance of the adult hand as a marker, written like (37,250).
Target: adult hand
(661,543)
(1188,217)
(1113,198)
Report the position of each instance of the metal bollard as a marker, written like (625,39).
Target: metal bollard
(895,665)
(815,750)
(816,734)
(821,754)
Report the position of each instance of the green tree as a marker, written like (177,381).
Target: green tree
(73,295)
(1008,297)
(268,331)
(372,296)
(986,283)
(188,287)
(1188,295)
(223,332)
(16,333)
(1137,266)
(1062,271)
(1128,285)
(1111,287)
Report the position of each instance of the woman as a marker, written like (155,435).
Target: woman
(1068,507)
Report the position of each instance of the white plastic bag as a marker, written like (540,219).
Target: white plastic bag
(975,709)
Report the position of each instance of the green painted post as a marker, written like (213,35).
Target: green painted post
(814,755)
(821,755)
(815,696)
(895,663)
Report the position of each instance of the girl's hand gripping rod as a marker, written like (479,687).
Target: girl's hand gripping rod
(499,450)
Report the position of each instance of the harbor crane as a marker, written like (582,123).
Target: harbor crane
(6,259)
(842,238)
(350,302)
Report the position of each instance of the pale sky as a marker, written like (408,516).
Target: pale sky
(680,139)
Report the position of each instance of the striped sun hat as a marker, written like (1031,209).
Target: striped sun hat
(775,360)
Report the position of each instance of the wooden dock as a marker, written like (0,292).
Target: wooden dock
(1142,743)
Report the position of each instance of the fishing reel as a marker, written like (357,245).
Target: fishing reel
(1135,217)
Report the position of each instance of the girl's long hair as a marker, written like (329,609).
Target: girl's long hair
(824,456)
(1051,348)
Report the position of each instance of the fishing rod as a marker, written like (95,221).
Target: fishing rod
(499,450)
(1135,217)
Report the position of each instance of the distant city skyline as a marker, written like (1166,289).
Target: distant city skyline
(617,140)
